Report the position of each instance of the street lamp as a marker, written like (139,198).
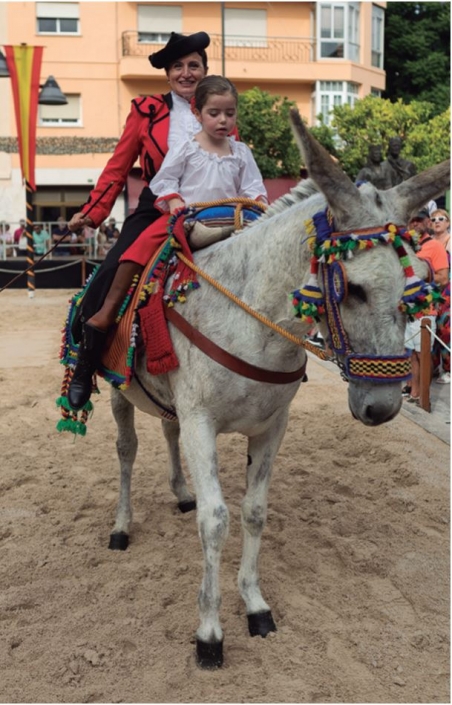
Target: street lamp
(22,65)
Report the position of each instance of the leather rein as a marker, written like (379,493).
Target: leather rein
(231,362)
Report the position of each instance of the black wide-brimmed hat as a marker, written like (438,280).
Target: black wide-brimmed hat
(179,45)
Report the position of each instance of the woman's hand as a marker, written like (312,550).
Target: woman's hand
(78,222)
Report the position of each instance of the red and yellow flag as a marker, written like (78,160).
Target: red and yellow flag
(24,66)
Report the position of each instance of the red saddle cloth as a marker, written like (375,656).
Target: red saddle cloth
(146,310)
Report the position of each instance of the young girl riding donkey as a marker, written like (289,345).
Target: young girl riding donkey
(211,166)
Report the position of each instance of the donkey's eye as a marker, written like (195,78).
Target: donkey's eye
(357,292)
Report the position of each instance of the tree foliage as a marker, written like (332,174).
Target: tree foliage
(417,52)
(263,121)
(426,136)
(264,125)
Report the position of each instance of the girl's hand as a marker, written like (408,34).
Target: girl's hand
(174,204)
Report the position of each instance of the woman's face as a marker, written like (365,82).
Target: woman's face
(440,223)
(185,74)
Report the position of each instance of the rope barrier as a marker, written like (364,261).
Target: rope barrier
(438,339)
(46,269)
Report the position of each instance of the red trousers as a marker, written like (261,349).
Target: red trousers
(148,242)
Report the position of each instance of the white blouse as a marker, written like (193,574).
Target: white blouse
(183,123)
(195,175)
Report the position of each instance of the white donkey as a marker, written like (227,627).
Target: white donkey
(262,265)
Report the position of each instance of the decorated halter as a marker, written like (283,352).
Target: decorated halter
(329,249)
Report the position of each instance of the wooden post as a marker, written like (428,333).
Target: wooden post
(83,271)
(30,243)
(425,363)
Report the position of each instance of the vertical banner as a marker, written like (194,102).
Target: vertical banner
(24,65)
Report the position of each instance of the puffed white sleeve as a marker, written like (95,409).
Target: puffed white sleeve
(251,183)
(165,184)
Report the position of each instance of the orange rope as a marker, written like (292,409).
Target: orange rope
(266,321)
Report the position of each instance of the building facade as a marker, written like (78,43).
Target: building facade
(319,54)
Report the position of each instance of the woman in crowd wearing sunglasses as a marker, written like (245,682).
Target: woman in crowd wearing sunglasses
(441,356)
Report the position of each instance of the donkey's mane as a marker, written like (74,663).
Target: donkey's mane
(303,190)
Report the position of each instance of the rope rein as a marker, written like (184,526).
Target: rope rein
(258,316)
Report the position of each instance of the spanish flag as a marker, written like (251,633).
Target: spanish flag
(24,66)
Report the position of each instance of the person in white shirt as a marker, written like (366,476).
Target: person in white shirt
(208,167)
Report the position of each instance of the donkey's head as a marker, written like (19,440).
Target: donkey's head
(374,279)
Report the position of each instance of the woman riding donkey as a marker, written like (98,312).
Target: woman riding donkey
(209,166)
(154,124)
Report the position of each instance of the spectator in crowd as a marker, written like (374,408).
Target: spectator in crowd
(102,241)
(89,234)
(58,231)
(435,254)
(441,355)
(41,239)
(6,239)
(19,231)
(112,230)
(78,241)
(20,239)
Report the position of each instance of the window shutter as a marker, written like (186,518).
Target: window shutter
(60,10)
(161,19)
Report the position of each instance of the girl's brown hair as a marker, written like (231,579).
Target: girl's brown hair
(213,85)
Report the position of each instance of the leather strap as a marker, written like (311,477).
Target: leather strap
(231,362)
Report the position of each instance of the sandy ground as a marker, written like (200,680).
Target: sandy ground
(354,561)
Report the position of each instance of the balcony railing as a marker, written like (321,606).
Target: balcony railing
(260,49)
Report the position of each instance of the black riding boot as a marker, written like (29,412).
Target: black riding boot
(90,353)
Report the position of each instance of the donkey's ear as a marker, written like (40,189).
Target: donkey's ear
(420,189)
(322,169)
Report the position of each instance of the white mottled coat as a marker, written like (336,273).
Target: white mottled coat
(262,265)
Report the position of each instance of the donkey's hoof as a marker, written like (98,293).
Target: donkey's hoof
(119,541)
(261,623)
(209,655)
(187,506)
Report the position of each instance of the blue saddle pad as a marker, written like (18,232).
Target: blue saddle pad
(214,216)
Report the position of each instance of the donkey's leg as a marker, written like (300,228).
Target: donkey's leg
(185,500)
(199,443)
(126,445)
(262,450)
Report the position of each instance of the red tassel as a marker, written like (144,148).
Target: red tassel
(160,355)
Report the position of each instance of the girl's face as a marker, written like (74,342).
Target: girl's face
(440,223)
(185,74)
(218,115)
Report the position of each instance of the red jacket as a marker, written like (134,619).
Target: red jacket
(145,137)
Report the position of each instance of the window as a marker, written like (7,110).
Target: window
(58,17)
(338,34)
(378,21)
(331,93)
(376,92)
(156,22)
(61,115)
(245,28)
(353,32)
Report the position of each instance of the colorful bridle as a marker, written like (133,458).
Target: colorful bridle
(329,250)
